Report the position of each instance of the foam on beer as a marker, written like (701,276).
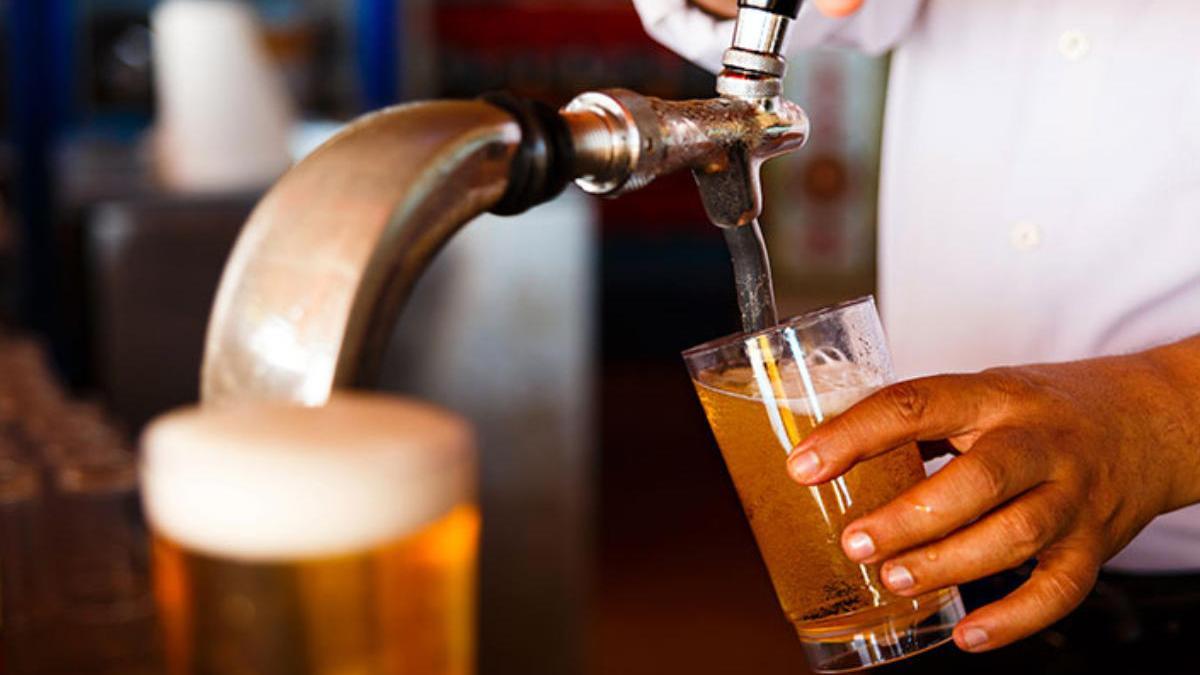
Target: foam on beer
(269,481)
(834,386)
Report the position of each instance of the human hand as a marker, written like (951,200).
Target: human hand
(838,8)
(1064,463)
(831,8)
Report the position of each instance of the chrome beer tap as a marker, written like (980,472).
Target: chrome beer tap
(323,265)
(624,140)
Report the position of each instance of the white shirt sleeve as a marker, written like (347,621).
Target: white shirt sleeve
(701,38)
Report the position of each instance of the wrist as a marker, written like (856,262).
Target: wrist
(1175,411)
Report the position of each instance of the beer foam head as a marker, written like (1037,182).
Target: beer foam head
(275,481)
(818,390)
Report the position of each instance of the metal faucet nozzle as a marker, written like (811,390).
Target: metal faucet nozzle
(623,140)
(754,64)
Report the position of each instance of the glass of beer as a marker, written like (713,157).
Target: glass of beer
(313,541)
(763,393)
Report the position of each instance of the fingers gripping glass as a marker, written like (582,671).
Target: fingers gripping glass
(765,392)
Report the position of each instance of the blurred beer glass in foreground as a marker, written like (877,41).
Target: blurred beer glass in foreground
(763,393)
(291,540)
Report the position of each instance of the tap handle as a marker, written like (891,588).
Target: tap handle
(787,8)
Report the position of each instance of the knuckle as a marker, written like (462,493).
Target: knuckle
(908,400)
(988,477)
(1063,588)
(1063,508)
(1010,386)
(1008,381)
(1026,533)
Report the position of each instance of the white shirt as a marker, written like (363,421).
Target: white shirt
(1040,189)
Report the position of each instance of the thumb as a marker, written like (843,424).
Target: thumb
(838,8)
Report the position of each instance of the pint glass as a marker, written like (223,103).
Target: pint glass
(313,541)
(763,393)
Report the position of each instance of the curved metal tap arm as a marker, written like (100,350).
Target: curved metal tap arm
(323,264)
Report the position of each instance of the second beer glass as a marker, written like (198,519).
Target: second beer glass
(314,541)
(763,393)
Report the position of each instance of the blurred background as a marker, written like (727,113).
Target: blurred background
(613,540)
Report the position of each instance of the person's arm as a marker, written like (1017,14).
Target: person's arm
(1064,463)
(701,30)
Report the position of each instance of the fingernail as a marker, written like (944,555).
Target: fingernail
(898,578)
(860,546)
(804,466)
(975,637)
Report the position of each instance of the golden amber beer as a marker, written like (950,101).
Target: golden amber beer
(763,394)
(320,541)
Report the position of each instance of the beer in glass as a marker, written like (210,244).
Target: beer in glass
(765,392)
(313,541)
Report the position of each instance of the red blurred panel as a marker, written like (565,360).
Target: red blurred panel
(539,26)
(670,205)
(553,52)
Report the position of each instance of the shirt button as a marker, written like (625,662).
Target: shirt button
(1073,45)
(1025,236)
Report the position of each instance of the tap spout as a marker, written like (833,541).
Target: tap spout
(633,139)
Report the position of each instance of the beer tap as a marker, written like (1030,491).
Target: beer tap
(624,140)
(323,265)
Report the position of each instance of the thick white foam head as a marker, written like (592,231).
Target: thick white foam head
(273,481)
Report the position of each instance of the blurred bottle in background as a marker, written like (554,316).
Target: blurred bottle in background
(224,114)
